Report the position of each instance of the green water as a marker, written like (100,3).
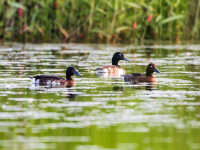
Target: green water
(99,113)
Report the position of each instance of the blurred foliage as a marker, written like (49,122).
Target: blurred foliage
(98,21)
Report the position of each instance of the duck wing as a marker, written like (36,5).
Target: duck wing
(133,77)
(137,74)
(49,77)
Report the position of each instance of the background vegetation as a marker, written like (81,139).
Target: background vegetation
(98,21)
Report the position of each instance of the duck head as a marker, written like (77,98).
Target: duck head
(117,57)
(70,72)
(150,69)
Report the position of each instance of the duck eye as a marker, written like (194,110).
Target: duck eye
(119,54)
(151,66)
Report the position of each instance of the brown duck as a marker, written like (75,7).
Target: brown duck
(140,77)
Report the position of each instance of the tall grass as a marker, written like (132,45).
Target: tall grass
(98,21)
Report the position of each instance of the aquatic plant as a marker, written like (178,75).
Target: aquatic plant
(100,21)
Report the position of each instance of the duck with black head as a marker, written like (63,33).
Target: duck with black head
(51,79)
(114,69)
(141,77)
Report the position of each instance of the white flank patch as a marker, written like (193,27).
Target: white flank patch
(55,82)
(33,80)
(37,81)
(102,71)
(102,74)
(48,82)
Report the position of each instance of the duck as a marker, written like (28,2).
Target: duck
(51,79)
(141,77)
(114,69)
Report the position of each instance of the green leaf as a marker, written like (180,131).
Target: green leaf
(42,3)
(158,18)
(132,4)
(123,28)
(99,31)
(1,24)
(87,1)
(169,19)
(17,5)
(108,3)
(168,2)
(10,13)
(101,10)
(149,7)
(34,16)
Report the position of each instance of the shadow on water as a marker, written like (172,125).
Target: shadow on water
(118,88)
(151,86)
(70,93)
(141,86)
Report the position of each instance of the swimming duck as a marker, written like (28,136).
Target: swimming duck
(114,69)
(51,79)
(140,77)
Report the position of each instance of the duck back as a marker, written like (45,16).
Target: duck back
(139,77)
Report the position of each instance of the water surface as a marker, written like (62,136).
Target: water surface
(99,113)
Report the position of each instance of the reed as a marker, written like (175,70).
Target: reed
(98,21)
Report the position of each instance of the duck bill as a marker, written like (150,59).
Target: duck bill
(77,73)
(157,71)
(126,59)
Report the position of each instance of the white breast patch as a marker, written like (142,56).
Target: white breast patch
(121,72)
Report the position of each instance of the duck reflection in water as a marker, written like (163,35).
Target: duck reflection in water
(118,88)
(150,86)
(71,94)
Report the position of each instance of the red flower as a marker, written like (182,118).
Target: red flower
(20,10)
(55,5)
(24,27)
(149,18)
(134,25)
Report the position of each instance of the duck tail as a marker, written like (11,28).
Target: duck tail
(102,70)
(30,77)
(99,69)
